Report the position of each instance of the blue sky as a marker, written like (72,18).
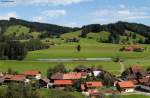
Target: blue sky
(77,12)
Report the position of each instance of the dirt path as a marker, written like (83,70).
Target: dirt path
(122,67)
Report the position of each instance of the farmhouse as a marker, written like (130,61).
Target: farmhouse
(92,85)
(67,76)
(13,79)
(45,82)
(62,83)
(135,48)
(125,86)
(72,76)
(32,74)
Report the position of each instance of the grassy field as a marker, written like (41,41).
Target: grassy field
(90,49)
(21,66)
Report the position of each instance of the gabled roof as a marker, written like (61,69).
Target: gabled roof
(72,76)
(18,78)
(46,80)
(68,76)
(94,84)
(62,82)
(126,84)
(57,76)
(31,72)
(14,77)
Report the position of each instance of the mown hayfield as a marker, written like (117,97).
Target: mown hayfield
(89,49)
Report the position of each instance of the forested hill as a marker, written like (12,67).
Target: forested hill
(36,26)
(118,28)
(21,29)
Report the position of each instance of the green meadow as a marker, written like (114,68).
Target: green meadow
(89,49)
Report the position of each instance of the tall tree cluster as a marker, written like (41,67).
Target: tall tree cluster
(12,50)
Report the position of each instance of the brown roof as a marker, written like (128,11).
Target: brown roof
(126,84)
(57,76)
(14,77)
(46,80)
(31,72)
(68,76)
(62,82)
(72,76)
(94,84)
(18,78)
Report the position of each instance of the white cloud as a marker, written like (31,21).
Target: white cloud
(43,2)
(122,6)
(6,16)
(54,13)
(55,2)
(38,19)
(45,15)
(70,24)
(113,15)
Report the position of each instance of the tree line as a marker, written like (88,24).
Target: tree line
(118,29)
(47,30)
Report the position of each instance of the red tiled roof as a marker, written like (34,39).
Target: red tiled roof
(31,72)
(14,77)
(94,84)
(18,78)
(126,84)
(72,76)
(62,82)
(84,73)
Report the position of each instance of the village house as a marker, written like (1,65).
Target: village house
(61,84)
(60,80)
(135,48)
(92,85)
(45,82)
(125,86)
(13,79)
(133,73)
(32,74)
(67,76)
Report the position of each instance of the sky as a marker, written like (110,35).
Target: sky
(76,13)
